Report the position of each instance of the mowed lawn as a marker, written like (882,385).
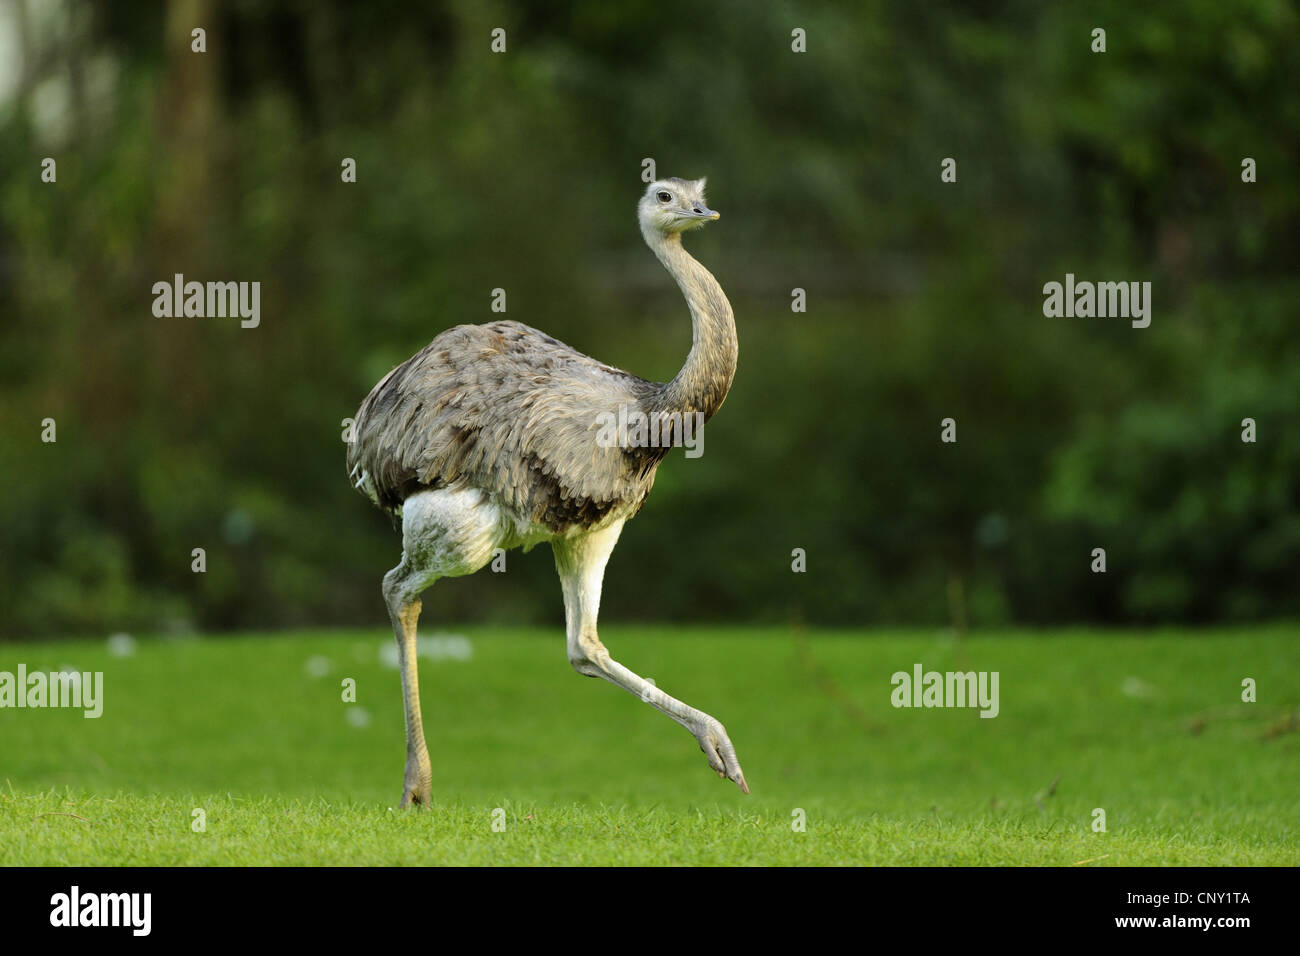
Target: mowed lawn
(252,731)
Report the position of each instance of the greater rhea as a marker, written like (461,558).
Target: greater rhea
(489,438)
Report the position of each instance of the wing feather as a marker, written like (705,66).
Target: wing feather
(513,411)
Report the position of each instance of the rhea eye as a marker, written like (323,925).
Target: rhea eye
(665,197)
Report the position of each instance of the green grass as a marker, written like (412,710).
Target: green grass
(1150,728)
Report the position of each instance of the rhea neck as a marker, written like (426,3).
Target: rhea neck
(703,382)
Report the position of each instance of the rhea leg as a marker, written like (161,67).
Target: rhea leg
(445,533)
(580,563)
(404,608)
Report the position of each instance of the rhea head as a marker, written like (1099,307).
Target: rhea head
(671,206)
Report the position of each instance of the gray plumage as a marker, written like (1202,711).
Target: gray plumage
(488,438)
(510,410)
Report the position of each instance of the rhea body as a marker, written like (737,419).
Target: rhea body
(488,438)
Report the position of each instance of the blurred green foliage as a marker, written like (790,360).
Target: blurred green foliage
(520,170)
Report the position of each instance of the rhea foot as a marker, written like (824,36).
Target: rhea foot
(722,755)
(417,787)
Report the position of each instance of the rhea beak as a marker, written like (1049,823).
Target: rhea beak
(695,216)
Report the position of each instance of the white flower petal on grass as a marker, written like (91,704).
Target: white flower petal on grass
(457,647)
(318,666)
(435,647)
(358,716)
(121,645)
(1137,687)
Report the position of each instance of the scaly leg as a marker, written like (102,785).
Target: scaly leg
(445,533)
(580,563)
(404,608)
